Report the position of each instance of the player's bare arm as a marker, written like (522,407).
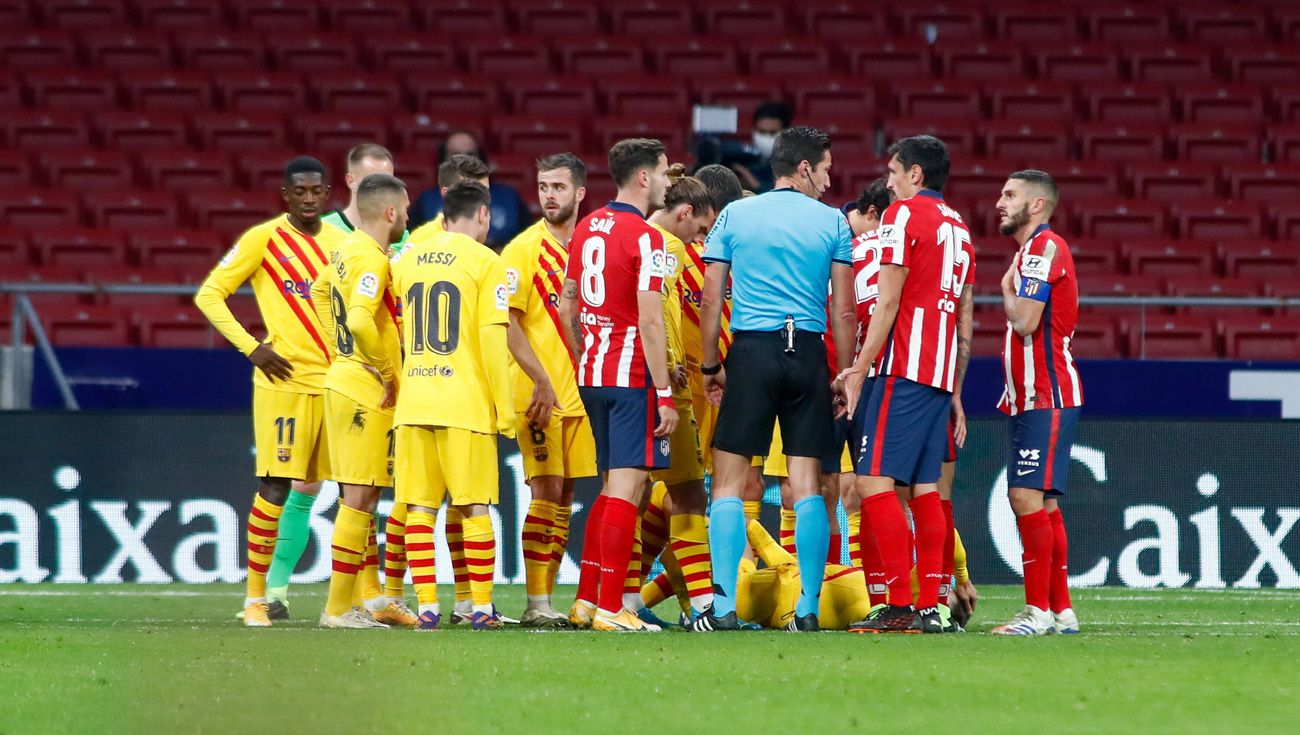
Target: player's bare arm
(650,325)
(844,327)
(965,332)
(569,318)
(892,278)
(543,401)
(715,286)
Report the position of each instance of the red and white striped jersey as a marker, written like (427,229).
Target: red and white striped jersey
(614,254)
(1040,371)
(866,284)
(926,236)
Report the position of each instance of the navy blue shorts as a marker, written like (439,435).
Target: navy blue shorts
(1039,457)
(950,453)
(623,421)
(905,431)
(843,437)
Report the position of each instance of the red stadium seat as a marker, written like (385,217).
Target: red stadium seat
(1255,64)
(982,60)
(957,134)
(86,326)
(14,252)
(552,95)
(16,14)
(519,171)
(1220,103)
(42,129)
(788,56)
(131,209)
(940,98)
(1285,101)
(1171,63)
(650,18)
(1286,220)
(1286,22)
(188,14)
(1263,260)
(191,251)
(27,48)
(220,50)
(185,168)
(506,55)
(426,132)
(744,93)
(453,18)
(176,327)
(476,94)
(942,20)
(600,56)
(1122,286)
(1232,144)
(695,56)
(133,49)
(233,131)
(1173,182)
(890,59)
(229,212)
(852,140)
(336,132)
(834,96)
(1126,22)
(989,332)
(369,15)
(1173,336)
(1168,258)
(260,15)
(1084,179)
(1026,141)
(36,209)
(1219,220)
(745,19)
(11,90)
(408,52)
(1261,338)
(843,20)
(1120,218)
(643,95)
(1026,99)
(141,130)
(1215,287)
(540,136)
(975,180)
(1223,24)
(71,89)
(15,168)
(1033,22)
(262,90)
(358,92)
(1094,257)
(1284,142)
(314,51)
(667,129)
(80,248)
(1128,103)
(1261,182)
(1078,62)
(1095,338)
(81,169)
(167,89)
(557,17)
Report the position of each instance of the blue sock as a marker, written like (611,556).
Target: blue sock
(727,541)
(812,539)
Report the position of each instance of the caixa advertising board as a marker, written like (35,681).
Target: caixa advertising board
(109,498)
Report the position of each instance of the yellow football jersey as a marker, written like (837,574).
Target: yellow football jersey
(455,306)
(281,263)
(432,228)
(692,296)
(357,281)
(535,261)
(677,257)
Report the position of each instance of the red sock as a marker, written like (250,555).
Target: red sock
(927,514)
(617,534)
(892,537)
(872,565)
(833,551)
(1036,536)
(1060,594)
(589,567)
(949,543)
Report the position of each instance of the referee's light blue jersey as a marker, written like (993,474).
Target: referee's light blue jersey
(780,246)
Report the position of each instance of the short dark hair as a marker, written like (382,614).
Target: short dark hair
(376,186)
(798,144)
(723,184)
(875,195)
(464,199)
(777,110)
(304,165)
(925,151)
(577,169)
(361,152)
(1043,181)
(631,155)
(461,167)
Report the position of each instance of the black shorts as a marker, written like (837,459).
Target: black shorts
(765,383)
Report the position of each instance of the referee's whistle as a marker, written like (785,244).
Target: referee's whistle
(789,334)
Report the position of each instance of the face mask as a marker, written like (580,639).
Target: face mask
(764,142)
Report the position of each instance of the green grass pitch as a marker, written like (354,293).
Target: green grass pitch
(173,659)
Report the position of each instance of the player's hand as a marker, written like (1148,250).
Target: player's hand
(667,421)
(542,404)
(390,394)
(962,601)
(271,364)
(839,400)
(958,422)
(713,385)
(678,375)
(851,380)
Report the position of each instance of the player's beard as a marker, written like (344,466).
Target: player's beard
(561,215)
(1015,221)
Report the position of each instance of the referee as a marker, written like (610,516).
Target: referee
(779,250)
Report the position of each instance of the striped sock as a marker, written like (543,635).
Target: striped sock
(395,553)
(263,524)
(456,545)
(480,559)
(653,530)
(949,544)
(368,588)
(656,590)
(674,572)
(753,509)
(690,540)
(420,557)
(347,550)
(787,530)
(635,576)
(536,537)
(559,544)
(855,540)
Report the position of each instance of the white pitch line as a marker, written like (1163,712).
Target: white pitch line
(115,593)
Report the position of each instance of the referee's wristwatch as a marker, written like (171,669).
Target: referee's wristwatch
(711,370)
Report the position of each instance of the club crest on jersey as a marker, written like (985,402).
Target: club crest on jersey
(282,454)
(368,286)
(512,281)
(541,454)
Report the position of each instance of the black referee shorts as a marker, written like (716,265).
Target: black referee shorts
(765,383)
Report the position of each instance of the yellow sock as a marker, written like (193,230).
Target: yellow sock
(420,556)
(395,552)
(635,577)
(480,559)
(347,549)
(787,530)
(674,572)
(539,525)
(263,525)
(559,543)
(753,509)
(456,546)
(855,529)
(690,543)
(656,590)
